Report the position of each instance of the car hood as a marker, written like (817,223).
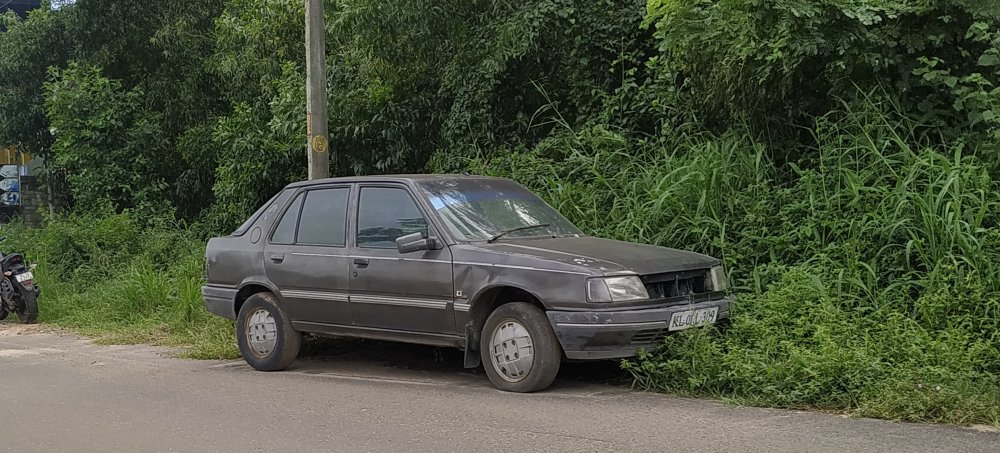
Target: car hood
(605,255)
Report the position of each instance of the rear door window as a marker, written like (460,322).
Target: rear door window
(324,217)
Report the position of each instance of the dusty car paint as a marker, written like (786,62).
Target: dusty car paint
(441,297)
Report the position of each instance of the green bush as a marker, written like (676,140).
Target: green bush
(867,274)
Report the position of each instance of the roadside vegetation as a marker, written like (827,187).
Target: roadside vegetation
(867,281)
(123,282)
(841,157)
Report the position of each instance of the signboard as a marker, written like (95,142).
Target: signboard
(10,185)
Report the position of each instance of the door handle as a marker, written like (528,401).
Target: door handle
(361,262)
(277,257)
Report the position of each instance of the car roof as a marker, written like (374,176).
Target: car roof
(393,178)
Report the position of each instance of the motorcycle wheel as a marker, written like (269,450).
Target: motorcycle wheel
(27,310)
(3,313)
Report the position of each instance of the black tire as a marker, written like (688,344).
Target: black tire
(27,309)
(287,340)
(546,354)
(3,313)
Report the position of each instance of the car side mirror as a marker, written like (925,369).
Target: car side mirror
(415,242)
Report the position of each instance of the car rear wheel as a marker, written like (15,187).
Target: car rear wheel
(265,334)
(519,350)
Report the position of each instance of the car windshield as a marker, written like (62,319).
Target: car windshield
(481,209)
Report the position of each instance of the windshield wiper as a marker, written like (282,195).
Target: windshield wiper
(514,230)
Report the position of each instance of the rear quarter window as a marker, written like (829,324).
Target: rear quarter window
(266,212)
(284,233)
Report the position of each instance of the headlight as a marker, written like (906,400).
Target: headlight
(616,289)
(717,280)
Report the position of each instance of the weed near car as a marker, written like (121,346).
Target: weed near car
(868,271)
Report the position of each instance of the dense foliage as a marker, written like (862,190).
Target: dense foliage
(868,280)
(839,155)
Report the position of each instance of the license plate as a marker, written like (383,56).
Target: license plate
(693,318)
(21,278)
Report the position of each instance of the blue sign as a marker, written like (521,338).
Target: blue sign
(10,185)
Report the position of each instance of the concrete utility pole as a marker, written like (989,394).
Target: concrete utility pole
(316,115)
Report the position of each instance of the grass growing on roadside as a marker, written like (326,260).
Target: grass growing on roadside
(868,271)
(124,283)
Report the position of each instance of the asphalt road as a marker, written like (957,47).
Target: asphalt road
(59,393)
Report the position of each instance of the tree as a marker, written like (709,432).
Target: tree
(796,59)
(154,55)
(109,144)
(411,79)
(28,47)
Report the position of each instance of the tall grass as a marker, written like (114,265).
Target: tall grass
(867,270)
(124,282)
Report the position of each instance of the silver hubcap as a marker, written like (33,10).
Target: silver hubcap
(512,351)
(262,333)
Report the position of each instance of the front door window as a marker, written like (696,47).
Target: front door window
(385,214)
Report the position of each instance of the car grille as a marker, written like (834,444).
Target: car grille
(648,336)
(678,284)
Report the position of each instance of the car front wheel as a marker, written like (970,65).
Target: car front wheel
(519,350)
(265,334)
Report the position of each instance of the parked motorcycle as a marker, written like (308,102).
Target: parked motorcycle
(18,291)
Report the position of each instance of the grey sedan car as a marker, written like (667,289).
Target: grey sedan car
(476,263)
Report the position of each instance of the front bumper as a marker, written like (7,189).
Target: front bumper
(594,335)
